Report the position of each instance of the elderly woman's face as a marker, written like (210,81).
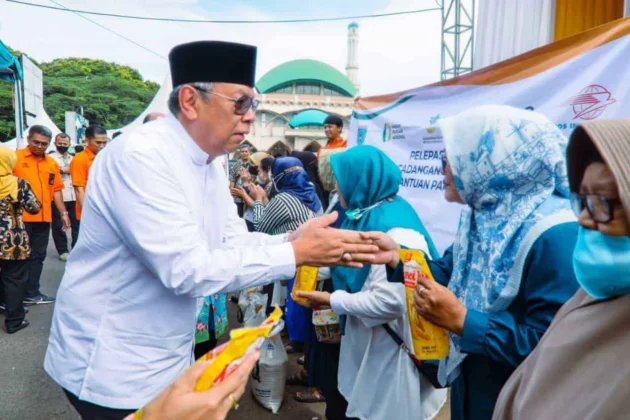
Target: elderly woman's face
(599,184)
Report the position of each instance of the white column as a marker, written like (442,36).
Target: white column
(352,69)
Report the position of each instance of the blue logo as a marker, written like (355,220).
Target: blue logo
(361,134)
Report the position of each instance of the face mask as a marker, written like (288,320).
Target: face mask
(602,263)
(62,149)
(261,179)
(356,214)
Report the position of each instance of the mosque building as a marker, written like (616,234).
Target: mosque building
(295,98)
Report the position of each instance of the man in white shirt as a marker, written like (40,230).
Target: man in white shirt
(160,230)
(63,158)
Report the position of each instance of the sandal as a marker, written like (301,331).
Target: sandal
(299,378)
(300,360)
(21,326)
(311,395)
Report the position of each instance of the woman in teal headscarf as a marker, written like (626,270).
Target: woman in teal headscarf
(376,377)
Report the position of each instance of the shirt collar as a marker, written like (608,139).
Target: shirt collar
(89,153)
(336,143)
(28,153)
(198,156)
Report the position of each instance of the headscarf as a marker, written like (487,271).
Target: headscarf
(586,332)
(368,177)
(290,177)
(508,165)
(611,138)
(256,158)
(309,161)
(8,182)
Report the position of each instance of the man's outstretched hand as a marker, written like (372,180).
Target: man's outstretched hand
(318,245)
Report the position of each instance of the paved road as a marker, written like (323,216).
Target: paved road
(26,391)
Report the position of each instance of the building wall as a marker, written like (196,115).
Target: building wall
(276,109)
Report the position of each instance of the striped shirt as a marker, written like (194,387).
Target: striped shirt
(284,213)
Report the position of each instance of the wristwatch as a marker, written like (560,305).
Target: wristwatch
(65,213)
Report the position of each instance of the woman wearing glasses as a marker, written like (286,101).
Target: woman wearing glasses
(579,369)
(510,269)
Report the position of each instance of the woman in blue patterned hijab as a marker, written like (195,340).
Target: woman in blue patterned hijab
(510,268)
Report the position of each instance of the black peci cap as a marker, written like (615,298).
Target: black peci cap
(213,62)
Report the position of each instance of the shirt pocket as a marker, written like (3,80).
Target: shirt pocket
(48,177)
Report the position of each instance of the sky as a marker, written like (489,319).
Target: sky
(395,53)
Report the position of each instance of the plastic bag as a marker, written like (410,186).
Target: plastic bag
(251,298)
(326,324)
(268,377)
(254,313)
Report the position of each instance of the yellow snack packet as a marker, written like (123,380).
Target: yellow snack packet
(305,281)
(430,342)
(227,357)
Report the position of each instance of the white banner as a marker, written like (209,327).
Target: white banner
(593,84)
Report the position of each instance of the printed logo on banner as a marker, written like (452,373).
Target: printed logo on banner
(432,121)
(591,102)
(361,135)
(387,132)
(393,132)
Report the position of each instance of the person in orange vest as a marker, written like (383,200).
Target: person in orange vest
(42,173)
(96,137)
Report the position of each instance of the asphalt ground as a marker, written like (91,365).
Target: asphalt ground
(27,392)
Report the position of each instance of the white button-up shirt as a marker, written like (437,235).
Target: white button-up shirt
(159,229)
(64,163)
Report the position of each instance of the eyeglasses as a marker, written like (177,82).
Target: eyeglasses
(601,209)
(242,104)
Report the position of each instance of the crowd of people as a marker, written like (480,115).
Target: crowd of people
(51,189)
(533,291)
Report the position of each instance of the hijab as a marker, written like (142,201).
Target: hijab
(367,177)
(509,166)
(256,158)
(290,177)
(579,368)
(309,161)
(8,182)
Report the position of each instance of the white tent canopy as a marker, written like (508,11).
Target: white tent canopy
(158,104)
(42,119)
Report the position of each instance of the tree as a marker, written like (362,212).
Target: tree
(7,112)
(111,95)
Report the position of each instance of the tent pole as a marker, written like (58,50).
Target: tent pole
(19,128)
